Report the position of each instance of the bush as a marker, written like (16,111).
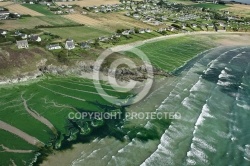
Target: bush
(58,26)
(176,26)
(26,15)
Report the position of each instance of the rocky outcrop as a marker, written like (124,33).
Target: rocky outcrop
(137,74)
(81,68)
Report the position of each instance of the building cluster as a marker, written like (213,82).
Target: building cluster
(5,14)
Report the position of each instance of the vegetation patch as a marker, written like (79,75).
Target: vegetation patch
(211,6)
(38,8)
(173,53)
(78,33)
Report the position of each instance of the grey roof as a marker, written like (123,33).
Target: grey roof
(70,43)
(2,30)
(4,12)
(54,45)
(3,17)
(22,43)
(34,37)
(69,39)
(85,45)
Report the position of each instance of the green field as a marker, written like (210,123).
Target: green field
(133,38)
(39,8)
(77,33)
(173,53)
(56,20)
(52,98)
(211,6)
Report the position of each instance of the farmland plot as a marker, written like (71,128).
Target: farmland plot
(90,2)
(17,8)
(82,19)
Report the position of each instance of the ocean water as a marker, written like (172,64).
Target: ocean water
(242,1)
(212,94)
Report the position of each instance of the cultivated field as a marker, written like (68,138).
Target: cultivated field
(26,22)
(211,6)
(103,21)
(38,8)
(82,19)
(31,22)
(79,33)
(5,3)
(241,10)
(56,20)
(90,3)
(17,8)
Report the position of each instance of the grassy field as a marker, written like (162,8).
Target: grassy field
(32,22)
(173,53)
(211,6)
(56,20)
(186,2)
(103,21)
(90,3)
(53,98)
(241,10)
(131,39)
(77,33)
(38,8)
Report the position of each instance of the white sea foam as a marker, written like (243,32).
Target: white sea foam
(244,106)
(221,83)
(198,86)
(204,114)
(198,154)
(93,154)
(228,69)
(204,144)
(224,74)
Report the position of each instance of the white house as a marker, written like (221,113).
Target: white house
(22,44)
(141,31)
(3,32)
(125,33)
(69,45)
(54,47)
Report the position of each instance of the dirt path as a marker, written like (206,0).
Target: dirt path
(6,149)
(30,139)
(38,117)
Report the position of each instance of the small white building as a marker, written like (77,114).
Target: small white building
(69,45)
(54,47)
(22,44)
(3,32)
